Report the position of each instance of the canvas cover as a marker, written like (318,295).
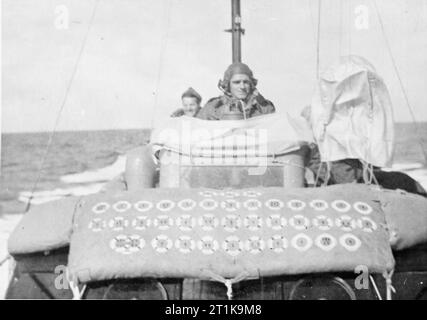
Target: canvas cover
(268,135)
(202,233)
(351,113)
(44,227)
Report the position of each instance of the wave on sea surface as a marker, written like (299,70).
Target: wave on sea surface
(58,193)
(99,175)
(78,184)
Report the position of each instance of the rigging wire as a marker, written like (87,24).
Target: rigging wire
(341,28)
(349,26)
(161,58)
(313,28)
(350,29)
(319,11)
(402,87)
(67,91)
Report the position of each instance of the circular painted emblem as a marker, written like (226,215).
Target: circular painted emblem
(367,224)
(323,222)
(252,204)
(161,243)
(301,242)
(345,223)
(186,222)
(187,204)
(143,206)
(101,207)
(319,205)
(255,245)
(185,244)
(296,205)
(232,245)
(350,242)
(163,222)
(208,222)
(341,205)
(127,244)
(274,204)
(141,223)
(208,204)
(135,243)
(208,245)
(231,222)
(118,223)
(165,205)
(119,244)
(276,222)
(122,206)
(97,225)
(299,222)
(230,205)
(362,207)
(325,242)
(253,222)
(277,243)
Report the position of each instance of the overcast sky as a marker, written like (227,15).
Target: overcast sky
(141,55)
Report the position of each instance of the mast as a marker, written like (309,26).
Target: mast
(236,31)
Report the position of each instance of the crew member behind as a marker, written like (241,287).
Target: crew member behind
(191,100)
(241,99)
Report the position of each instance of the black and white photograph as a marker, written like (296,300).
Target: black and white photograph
(226,153)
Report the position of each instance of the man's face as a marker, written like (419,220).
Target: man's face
(240,86)
(190,106)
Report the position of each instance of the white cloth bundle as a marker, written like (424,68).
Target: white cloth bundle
(351,114)
(269,135)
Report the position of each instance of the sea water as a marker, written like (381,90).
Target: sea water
(81,162)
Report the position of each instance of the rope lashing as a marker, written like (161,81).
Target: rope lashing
(5,259)
(375,287)
(288,163)
(368,173)
(77,293)
(389,284)
(74,287)
(318,174)
(227,282)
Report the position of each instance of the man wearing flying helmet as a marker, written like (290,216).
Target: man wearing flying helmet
(241,99)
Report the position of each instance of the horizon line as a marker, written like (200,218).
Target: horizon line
(140,129)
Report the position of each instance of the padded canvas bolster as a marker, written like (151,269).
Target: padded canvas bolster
(44,227)
(203,233)
(406,216)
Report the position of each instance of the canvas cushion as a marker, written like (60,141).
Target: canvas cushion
(44,227)
(199,233)
(406,216)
